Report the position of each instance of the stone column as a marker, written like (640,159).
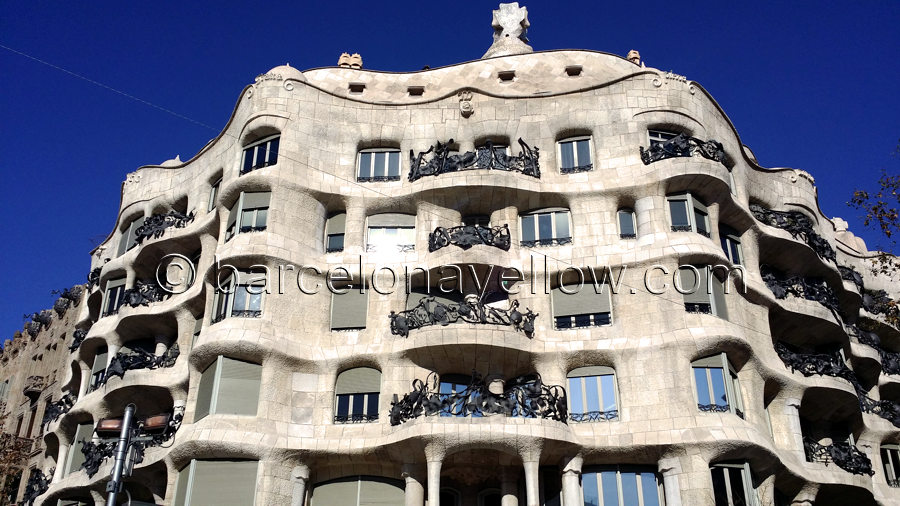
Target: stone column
(794,430)
(670,468)
(646,211)
(509,493)
(806,496)
(299,479)
(571,481)
(160,345)
(434,482)
(532,486)
(85,381)
(355,229)
(112,350)
(414,492)
(61,458)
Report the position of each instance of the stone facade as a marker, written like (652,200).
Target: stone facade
(527,441)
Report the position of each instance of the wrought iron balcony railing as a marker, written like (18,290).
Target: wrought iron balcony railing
(525,396)
(356,418)
(155,226)
(432,312)
(38,483)
(814,289)
(137,359)
(144,293)
(594,416)
(683,145)
(878,302)
(57,409)
(808,364)
(580,168)
(442,161)
(466,236)
(78,336)
(798,225)
(153,431)
(553,241)
(850,274)
(890,361)
(93,278)
(842,454)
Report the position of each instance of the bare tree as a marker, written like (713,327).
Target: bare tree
(14,452)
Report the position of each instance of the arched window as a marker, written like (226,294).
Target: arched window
(592,394)
(359,491)
(717,386)
(356,395)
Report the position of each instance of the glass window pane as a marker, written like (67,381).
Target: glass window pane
(607,388)
(592,393)
(372,406)
(718,386)
(584,152)
(562,225)
(591,489)
(256,299)
(649,489)
(735,477)
(630,490)
(343,405)
(394,164)
(610,488)
(273,150)
(240,298)
(545,226)
(261,215)
(735,252)
(678,208)
(407,235)
(567,155)
(247,218)
(575,395)
(702,386)
(379,165)
(248,159)
(719,491)
(359,401)
(365,165)
(626,223)
(700,218)
(335,242)
(528,228)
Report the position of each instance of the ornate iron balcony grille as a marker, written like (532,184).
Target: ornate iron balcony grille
(485,157)
(814,289)
(67,298)
(77,338)
(525,396)
(58,408)
(377,179)
(138,359)
(143,294)
(808,364)
(334,250)
(895,483)
(798,225)
(155,226)
(627,236)
(580,168)
(682,228)
(683,145)
(877,302)
(561,241)
(844,455)
(93,278)
(38,483)
(850,274)
(466,236)
(594,416)
(96,453)
(356,418)
(245,313)
(249,228)
(431,312)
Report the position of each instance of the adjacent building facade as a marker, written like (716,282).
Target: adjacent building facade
(541,278)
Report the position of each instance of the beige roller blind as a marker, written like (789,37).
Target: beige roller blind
(348,310)
(223,483)
(358,380)
(344,492)
(688,280)
(205,391)
(181,485)
(256,199)
(76,458)
(595,370)
(238,387)
(585,301)
(232,214)
(392,220)
(336,224)
(718,293)
(100,361)
(380,492)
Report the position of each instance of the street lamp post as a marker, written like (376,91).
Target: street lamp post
(115,484)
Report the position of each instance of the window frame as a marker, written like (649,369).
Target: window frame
(586,320)
(117,284)
(334,295)
(238,210)
(213,194)
(372,177)
(713,289)
(891,466)
(212,408)
(693,205)
(342,234)
(657,136)
(751,498)
(226,298)
(189,486)
(731,242)
(597,470)
(128,239)
(733,392)
(364,415)
(629,212)
(580,377)
(553,240)
(578,166)
(374,247)
(269,151)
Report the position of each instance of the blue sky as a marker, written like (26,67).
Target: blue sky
(811,85)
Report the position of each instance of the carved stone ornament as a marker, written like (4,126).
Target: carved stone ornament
(525,396)
(132,178)
(467,236)
(465,104)
(487,157)
(510,23)
(683,146)
(432,312)
(38,321)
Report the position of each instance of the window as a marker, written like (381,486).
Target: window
(717,386)
(660,136)
(451,385)
(348,309)
(334,233)
(248,214)
(592,394)
(731,184)
(228,387)
(477,220)
(114,296)
(731,244)
(582,307)
(98,369)
(545,227)
(31,418)
(239,296)
(688,214)
(575,155)
(621,486)
(702,294)
(4,391)
(890,459)
(733,485)
(627,227)
(19,421)
(487,152)
(219,482)
(378,165)
(391,233)
(359,491)
(262,153)
(129,236)
(75,457)
(356,395)
(214,194)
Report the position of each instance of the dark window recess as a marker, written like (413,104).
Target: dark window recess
(261,154)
